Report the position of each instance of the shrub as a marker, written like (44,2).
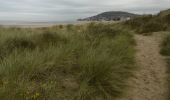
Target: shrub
(99,29)
(152,27)
(165,50)
(138,21)
(24,43)
(168,68)
(61,26)
(167,19)
(69,27)
(11,44)
(47,38)
(149,23)
(166,46)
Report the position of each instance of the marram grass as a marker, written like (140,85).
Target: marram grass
(90,62)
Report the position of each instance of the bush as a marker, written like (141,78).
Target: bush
(167,19)
(61,26)
(149,23)
(99,29)
(11,44)
(69,27)
(138,21)
(168,70)
(166,46)
(165,50)
(152,27)
(23,43)
(48,38)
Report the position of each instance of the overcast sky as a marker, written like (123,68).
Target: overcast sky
(65,10)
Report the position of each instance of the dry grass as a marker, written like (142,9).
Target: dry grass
(90,62)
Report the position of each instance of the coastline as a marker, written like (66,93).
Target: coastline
(46,24)
(39,24)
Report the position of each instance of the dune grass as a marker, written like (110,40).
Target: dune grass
(86,62)
(168,61)
(150,23)
(166,46)
(165,50)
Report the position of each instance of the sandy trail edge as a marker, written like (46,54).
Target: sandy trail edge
(149,82)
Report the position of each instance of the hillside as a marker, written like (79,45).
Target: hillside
(151,23)
(111,15)
(164,13)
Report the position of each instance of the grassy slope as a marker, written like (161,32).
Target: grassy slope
(168,60)
(150,23)
(89,62)
(166,52)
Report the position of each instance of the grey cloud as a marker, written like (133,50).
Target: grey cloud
(57,10)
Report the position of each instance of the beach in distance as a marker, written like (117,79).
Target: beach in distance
(114,55)
(84,49)
(28,24)
(37,24)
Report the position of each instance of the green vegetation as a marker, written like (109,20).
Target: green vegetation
(165,50)
(90,62)
(166,46)
(150,23)
(168,60)
(147,24)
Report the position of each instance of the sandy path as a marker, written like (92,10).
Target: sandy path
(149,82)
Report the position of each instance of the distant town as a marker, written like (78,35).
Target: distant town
(111,16)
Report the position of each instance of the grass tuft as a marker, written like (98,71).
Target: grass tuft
(166,46)
(92,63)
